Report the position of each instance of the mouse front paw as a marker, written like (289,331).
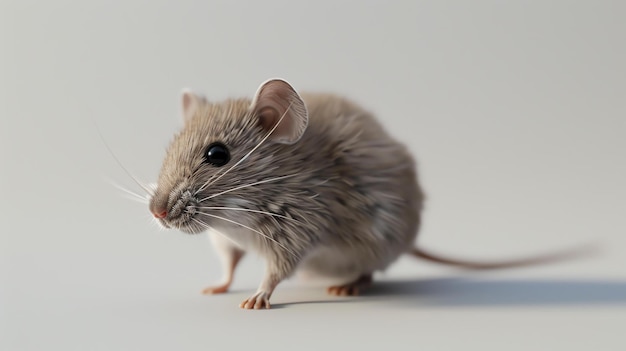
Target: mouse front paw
(260,300)
(218,289)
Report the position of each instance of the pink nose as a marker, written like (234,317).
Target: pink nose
(161,214)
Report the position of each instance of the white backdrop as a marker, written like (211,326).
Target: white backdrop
(515,111)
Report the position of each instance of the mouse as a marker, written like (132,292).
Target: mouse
(311,182)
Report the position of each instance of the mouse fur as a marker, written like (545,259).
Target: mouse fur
(333,193)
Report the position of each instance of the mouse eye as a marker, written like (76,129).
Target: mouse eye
(217,154)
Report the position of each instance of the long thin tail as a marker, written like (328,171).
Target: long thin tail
(577,252)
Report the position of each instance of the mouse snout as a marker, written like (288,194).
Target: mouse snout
(174,208)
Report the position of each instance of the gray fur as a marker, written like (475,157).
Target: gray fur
(349,205)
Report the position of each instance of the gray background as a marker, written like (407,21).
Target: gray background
(515,111)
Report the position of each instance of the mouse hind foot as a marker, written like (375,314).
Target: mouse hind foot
(351,288)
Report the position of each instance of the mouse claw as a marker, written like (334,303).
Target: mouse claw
(260,300)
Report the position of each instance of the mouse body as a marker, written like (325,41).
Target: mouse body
(310,182)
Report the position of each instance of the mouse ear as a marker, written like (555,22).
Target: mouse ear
(190,103)
(279,107)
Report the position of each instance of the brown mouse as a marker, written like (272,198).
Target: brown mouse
(311,182)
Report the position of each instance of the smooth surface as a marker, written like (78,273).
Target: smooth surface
(515,110)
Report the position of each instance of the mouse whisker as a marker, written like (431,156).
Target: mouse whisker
(209,182)
(205,226)
(145,187)
(201,224)
(141,201)
(248,210)
(131,194)
(246,186)
(251,229)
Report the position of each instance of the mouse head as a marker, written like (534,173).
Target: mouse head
(227,157)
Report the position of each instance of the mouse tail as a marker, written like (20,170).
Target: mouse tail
(553,257)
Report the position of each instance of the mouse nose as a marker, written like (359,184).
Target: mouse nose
(159,213)
(158,206)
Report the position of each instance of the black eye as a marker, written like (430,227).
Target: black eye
(217,154)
